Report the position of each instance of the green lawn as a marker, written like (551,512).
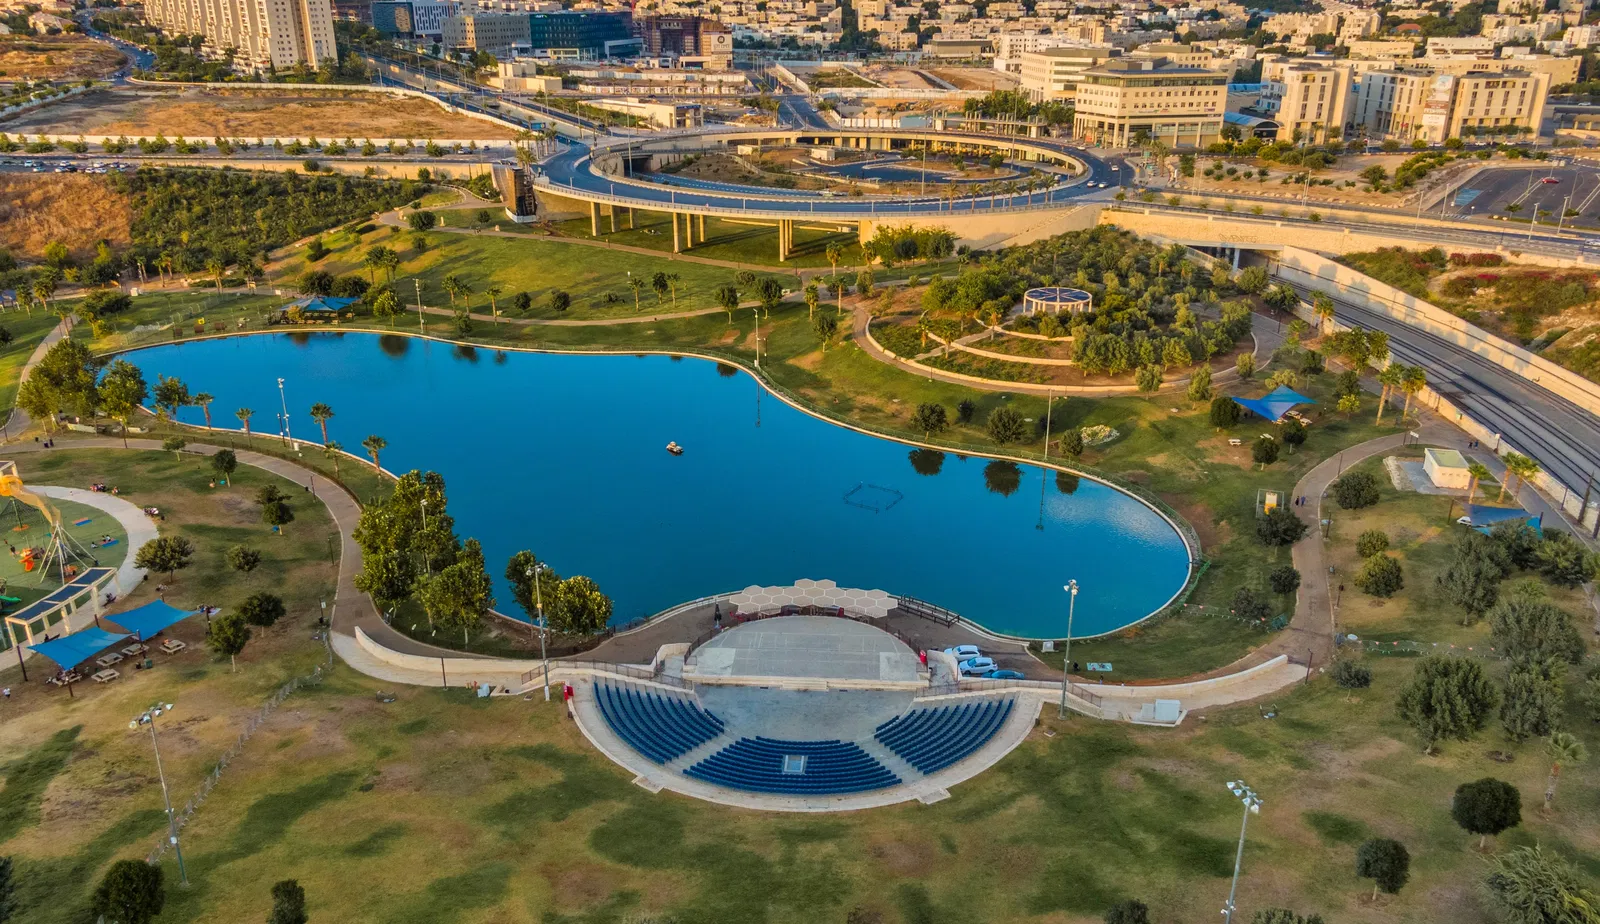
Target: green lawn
(27,330)
(749,242)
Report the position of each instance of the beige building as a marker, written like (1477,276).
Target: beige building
(496,33)
(1125,97)
(1417,103)
(655,114)
(1313,100)
(1560,70)
(263,33)
(1053,73)
(1484,102)
(1384,49)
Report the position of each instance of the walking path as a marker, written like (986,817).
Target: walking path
(140,528)
(19,419)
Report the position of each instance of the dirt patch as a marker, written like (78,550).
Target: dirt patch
(975,78)
(56,57)
(1200,516)
(77,210)
(251,114)
(905,858)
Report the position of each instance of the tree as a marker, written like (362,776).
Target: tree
(560,300)
(1534,887)
(122,393)
(1472,582)
(523,589)
(813,298)
(1200,384)
(1531,701)
(1412,380)
(203,401)
(1386,862)
(1005,426)
(130,893)
(242,558)
(580,607)
(1447,697)
(1280,527)
(1351,675)
(1390,377)
(1293,433)
(1284,579)
(1128,911)
(374,445)
(460,595)
(165,553)
(637,285)
(1562,748)
(1247,604)
(227,635)
(244,414)
(275,509)
(174,445)
(422,221)
(1253,280)
(1486,807)
(1563,560)
(1355,490)
(1520,467)
(1477,472)
(8,892)
(1264,451)
(728,298)
(1072,442)
(1147,378)
(930,419)
(322,413)
(288,903)
(1535,630)
(171,394)
(1225,412)
(826,327)
(769,292)
(1380,576)
(224,462)
(1245,365)
(1372,542)
(262,609)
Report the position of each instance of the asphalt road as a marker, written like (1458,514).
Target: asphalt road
(1562,437)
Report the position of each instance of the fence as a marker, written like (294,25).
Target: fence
(926,610)
(181,816)
(981,685)
(630,671)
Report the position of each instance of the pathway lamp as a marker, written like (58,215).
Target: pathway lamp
(1252,806)
(1066,654)
(148,717)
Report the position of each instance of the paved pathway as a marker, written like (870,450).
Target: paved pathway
(18,420)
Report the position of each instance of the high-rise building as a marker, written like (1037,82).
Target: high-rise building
(263,33)
(411,18)
(1314,102)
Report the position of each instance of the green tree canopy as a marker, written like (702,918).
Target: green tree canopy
(1447,698)
(131,892)
(1486,807)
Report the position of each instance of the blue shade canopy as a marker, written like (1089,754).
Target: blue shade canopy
(321,303)
(62,594)
(72,650)
(1274,404)
(151,618)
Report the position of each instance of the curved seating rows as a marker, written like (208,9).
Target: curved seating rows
(931,739)
(661,727)
(831,768)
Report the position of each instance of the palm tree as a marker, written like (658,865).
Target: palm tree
(1389,377)
(454,286)
(673,279)
(204,399)
(332,450)
(244,414)
(164,265)
(1322,307)
(373,259)
(1520,467)
(374,445)
(1563,748)
(1413,380)
(637,285)
(322,413)
(216,267)
(835,253)
(494,292)
(390,262)
(1477,471)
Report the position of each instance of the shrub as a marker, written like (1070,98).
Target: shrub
(1380,576)
(1280,527)
(1356,490)
(1352,675)
(1284,579)
(1372,542)
(1005,426)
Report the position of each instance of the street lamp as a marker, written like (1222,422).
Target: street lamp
(533,574)
(1066,654)
(283,402)
(148,717)
(1252,806)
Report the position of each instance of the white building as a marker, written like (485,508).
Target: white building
(276,33)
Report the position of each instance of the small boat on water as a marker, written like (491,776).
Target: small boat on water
(674,448)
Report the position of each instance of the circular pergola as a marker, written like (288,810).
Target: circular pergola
(1056,300)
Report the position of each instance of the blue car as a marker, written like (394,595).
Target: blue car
(1006,675)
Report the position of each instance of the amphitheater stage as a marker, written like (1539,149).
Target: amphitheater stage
(819,648)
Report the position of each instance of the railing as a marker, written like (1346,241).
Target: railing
(795,609)
(630,671)
(982,685)
(914,607)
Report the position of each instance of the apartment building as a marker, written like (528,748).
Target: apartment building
(1009,47)
(1485,102)
(1383,49)
(1413,103)
(263,33)
(1125,97)
(1479,45)
(1053,74)
(499,34)
(1312,101)
(1561,70)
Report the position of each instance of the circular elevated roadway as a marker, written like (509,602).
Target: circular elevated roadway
(573,174)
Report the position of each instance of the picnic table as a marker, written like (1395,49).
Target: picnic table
(173,646)
(64,677)
(105,676)
(108,659)
(132,650)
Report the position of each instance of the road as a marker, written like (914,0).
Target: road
(1562,437)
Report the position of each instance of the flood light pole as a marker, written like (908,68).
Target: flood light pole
(1066,654)
(283,402)
(148,717)
(1252,806)
(538,596)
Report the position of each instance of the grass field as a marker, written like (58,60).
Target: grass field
(77,210)
(56,57)
(739,241)
(27,330)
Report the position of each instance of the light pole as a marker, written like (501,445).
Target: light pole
(1252,806)
(148,717)
(283,403)
(420,328)
(1066,654)
(757,311)
(538,596)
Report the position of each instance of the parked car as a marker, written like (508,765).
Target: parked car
(1551,179)
(1007,675)
(978,667)
(964,653)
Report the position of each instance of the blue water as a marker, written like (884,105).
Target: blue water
(565,455)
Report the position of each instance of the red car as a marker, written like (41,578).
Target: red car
(1550,179)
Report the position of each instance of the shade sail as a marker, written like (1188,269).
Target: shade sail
(1274,404)
(72,650)
(147,620)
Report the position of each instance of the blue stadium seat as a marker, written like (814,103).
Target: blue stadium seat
(932,738)
(661,727)
(831,768)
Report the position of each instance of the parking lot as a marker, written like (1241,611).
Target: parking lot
(1538,189)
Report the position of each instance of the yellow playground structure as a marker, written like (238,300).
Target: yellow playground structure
(59,550)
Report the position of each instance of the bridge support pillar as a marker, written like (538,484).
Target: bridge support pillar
(677,245)
(688,230)
(783,240)
(613,211)
(594,219)
(630,218)
(702,231)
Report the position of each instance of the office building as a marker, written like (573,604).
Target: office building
(581,35)
(1053,73)
(1313,102)
(411,18)
(1126,97)
(499,34)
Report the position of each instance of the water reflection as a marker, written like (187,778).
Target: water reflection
(927,461)
(394,345)
(1002,477)
(1066,482)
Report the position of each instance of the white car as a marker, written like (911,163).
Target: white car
(978,667)
(964,653)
